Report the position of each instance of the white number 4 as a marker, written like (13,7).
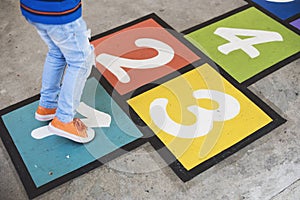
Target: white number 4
(235,43)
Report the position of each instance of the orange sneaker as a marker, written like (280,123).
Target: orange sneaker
(75,130)
(44,114)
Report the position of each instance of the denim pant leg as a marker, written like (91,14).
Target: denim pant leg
(53,71)
(72,40)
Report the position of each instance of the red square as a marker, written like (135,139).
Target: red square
(140,54)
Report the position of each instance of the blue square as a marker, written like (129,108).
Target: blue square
(283,9)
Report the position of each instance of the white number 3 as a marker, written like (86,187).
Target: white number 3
(228,109)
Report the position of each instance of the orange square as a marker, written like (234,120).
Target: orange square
(144,52)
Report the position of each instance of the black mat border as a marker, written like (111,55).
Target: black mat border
(215,19)
(293,18)
(179,36)
(149,136)
(28,183)
(186,175)
(270,69)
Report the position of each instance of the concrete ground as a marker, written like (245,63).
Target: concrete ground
(266,169)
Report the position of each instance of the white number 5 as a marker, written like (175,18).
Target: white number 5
(280,1)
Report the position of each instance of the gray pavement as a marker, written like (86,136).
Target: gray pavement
(269,168)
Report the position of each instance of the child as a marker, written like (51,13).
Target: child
(67,66)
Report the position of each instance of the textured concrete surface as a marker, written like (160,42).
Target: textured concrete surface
(266,169)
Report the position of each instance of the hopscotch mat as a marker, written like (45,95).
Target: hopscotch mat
(184,93)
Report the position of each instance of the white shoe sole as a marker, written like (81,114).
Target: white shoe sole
(61,133)
(44,118)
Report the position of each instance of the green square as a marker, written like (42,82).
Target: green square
(238,63)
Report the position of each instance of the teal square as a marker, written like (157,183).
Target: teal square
(53,157)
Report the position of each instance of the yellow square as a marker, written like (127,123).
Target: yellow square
(198,115)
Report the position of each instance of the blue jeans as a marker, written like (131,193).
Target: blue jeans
(67,66)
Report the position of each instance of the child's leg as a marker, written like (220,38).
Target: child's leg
(79,55)
(53,71)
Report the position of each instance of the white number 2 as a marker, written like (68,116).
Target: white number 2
(228,109)
(114,64)
(256,37)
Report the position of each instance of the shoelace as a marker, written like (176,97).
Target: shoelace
(81,127)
